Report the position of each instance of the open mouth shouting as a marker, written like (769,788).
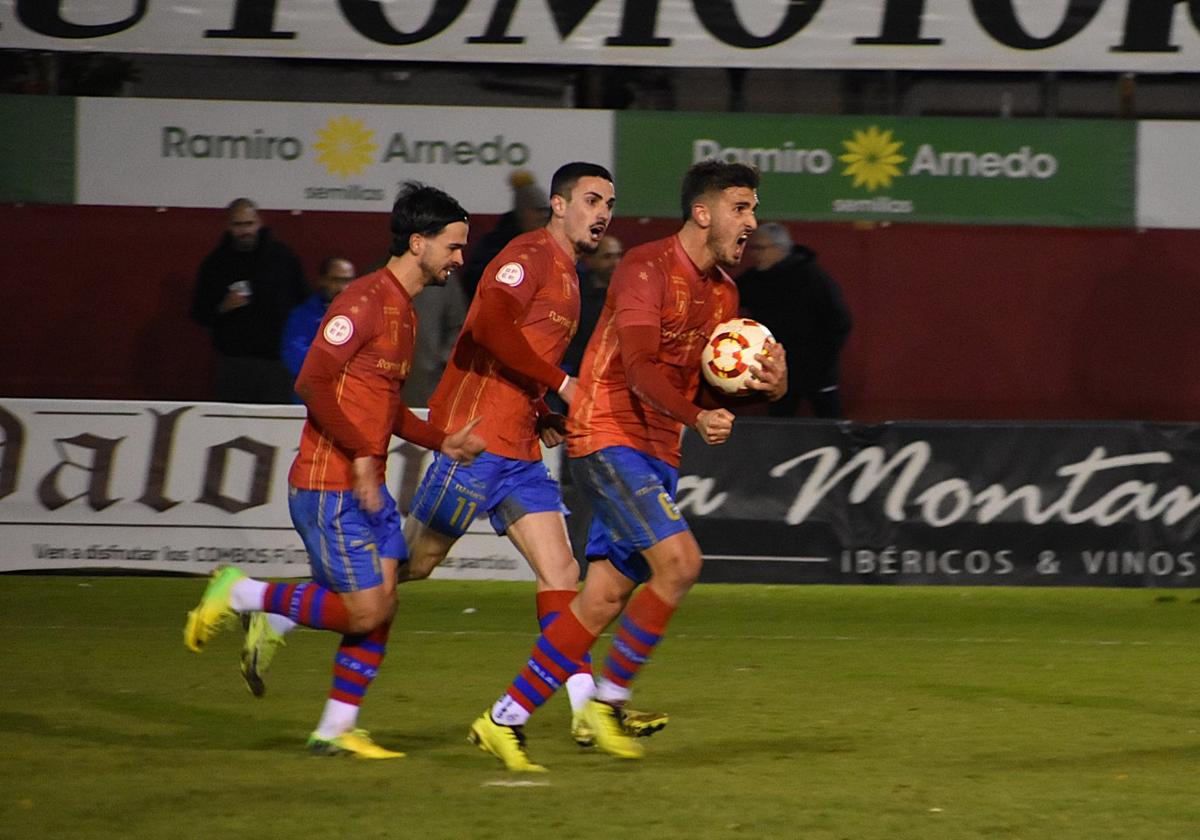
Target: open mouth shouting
(739,246)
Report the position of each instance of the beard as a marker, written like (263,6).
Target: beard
(436,275)
(723,249)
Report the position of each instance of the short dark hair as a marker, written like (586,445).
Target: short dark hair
(568,175)
(327,264)
(422,209)
(709,176)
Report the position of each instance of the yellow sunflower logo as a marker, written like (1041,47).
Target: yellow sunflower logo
(871,158)
(345,146)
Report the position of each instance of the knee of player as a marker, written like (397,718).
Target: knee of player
(364,618)
(417,570)
(683,567)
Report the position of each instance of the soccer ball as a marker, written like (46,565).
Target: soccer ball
(726,359)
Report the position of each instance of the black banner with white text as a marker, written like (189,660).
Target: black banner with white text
(1097,504)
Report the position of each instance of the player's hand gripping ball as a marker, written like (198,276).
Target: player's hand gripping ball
(730,351)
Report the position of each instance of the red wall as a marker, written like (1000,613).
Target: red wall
(950,322)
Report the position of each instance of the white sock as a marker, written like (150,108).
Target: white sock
(509,712)
(247,595)
(608,692)
(337,718)
(281,624)
(580,689)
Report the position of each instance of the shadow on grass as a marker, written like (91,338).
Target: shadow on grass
(143,722)
(1145,705)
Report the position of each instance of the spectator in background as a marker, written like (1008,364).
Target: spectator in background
(441,312)
(801,304)
(595,272)
(244,290)
(531,210)
(301,327)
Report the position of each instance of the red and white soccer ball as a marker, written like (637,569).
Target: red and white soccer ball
(729,353)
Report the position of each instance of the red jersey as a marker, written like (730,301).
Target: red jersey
(655,285)
(369,329)
(536,271)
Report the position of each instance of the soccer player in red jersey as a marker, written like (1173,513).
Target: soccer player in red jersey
(640,374)
(524,313)
(351,382)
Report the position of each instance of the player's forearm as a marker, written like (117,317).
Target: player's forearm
(316,386)
(639,346)
(496,329)
(415,430)
(654,389)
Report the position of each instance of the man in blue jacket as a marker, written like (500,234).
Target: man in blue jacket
(302,323)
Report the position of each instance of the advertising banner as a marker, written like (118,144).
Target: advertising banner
(1095,504)
(969,171)
(304,156)
(176,487)
(1167,183)
(37,149)
(1080,35)
(184,487)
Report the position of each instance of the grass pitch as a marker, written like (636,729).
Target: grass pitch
(823,713)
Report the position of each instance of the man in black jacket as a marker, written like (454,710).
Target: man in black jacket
(802,306)
(244,291)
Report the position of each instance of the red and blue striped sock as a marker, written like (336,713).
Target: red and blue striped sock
(356,663)
(556,655)
(640,629)
(550,603)
(309,604)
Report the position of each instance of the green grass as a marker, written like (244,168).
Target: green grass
(797,712)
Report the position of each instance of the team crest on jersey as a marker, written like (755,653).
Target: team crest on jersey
(510,274)
(338,330)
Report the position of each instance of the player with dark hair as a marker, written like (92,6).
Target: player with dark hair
(640,373)
(339,503)
(505,360)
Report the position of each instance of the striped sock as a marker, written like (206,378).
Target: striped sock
(549,604)
(356,664)
(581,686)
(640,629)
(555,656)
(309,604)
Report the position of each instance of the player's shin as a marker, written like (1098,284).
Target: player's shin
(556,655)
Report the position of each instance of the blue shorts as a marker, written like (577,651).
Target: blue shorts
(344,542)
(633,496)
(451,494)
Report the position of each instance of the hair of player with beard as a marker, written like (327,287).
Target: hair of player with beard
(709,176)
(420,208)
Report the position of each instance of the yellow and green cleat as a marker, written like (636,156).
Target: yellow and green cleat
(506,743)
(213,611)
(258,649)
(356,743)
(637,724)
(609,732)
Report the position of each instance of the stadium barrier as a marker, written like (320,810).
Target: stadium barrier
(158,486)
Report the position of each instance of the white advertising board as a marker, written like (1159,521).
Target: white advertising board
(175,487)
(1063,35)
(316,156)
(1168,177)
